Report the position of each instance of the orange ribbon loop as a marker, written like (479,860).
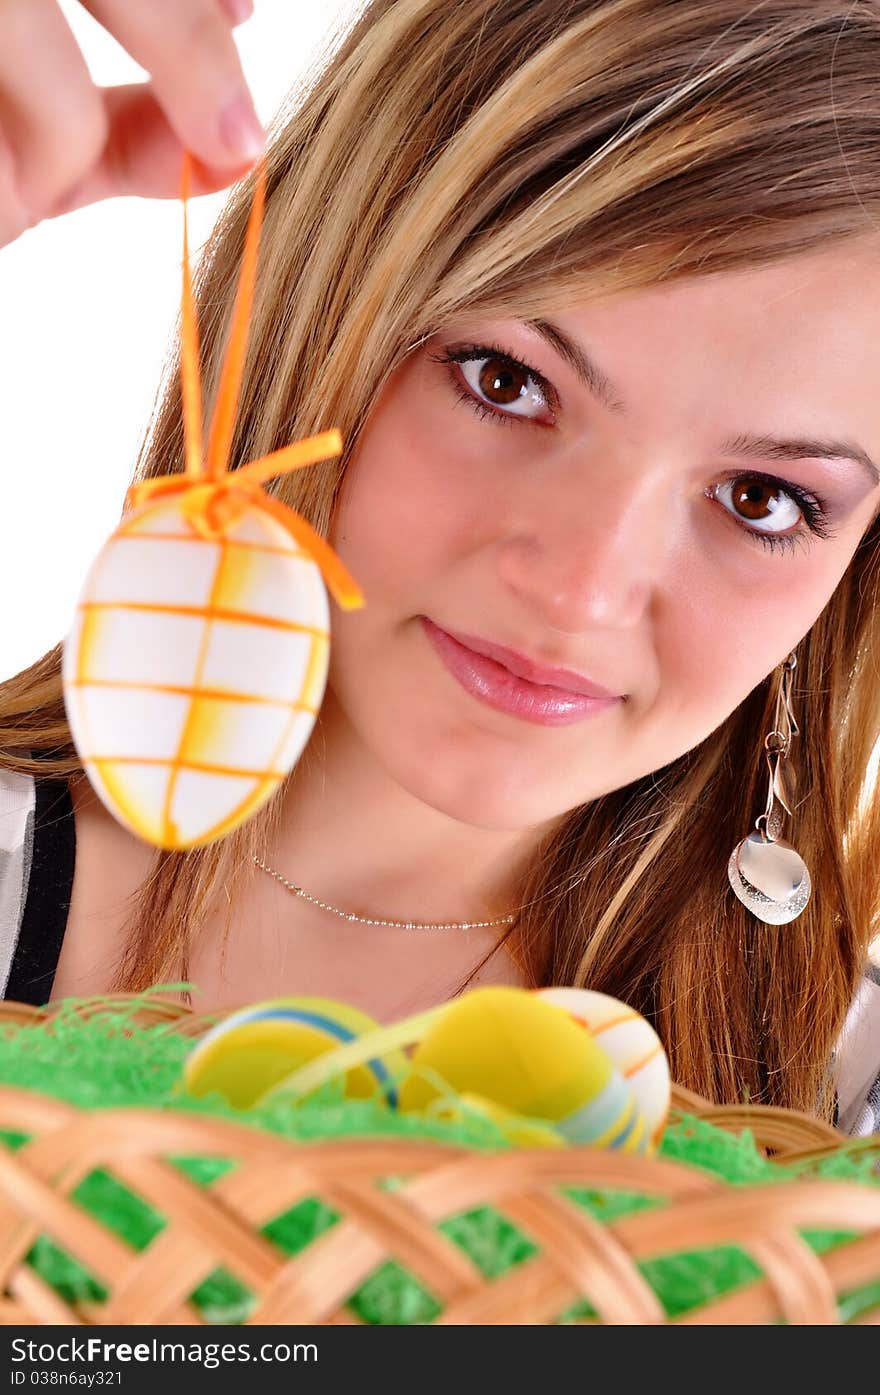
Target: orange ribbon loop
(214,498)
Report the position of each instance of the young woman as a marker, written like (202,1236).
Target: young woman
(592,291)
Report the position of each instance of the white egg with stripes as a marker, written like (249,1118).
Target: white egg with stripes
(631,1043)
(194,670)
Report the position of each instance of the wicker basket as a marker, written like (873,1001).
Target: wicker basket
(577,1257)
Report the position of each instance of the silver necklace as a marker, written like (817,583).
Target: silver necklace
(364,920)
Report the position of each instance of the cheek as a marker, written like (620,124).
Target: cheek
(399,526)
(410,505)
(725,628)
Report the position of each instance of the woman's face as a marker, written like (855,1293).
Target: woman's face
(643,529)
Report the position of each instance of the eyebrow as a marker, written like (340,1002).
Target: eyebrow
(589,372)
(745,444)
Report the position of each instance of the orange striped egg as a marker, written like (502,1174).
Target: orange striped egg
(631,1043)
(194,670)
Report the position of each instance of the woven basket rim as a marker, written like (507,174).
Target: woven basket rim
(577,1257)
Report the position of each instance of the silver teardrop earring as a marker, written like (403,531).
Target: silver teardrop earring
(767,873)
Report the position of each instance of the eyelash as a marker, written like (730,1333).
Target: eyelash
(813,508)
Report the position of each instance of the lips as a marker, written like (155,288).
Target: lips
(565,678)
(498,685)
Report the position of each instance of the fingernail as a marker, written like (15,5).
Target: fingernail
(241,130)
(238,10)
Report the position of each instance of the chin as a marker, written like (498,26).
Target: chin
(473,796)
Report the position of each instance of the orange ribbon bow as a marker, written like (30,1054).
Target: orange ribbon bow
(213,496)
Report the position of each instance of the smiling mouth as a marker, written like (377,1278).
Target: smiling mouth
(493,683)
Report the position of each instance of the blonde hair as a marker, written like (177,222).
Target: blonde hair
(509,157)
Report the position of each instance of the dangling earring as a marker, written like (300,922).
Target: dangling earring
(765,871)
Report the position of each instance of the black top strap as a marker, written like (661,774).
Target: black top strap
(44,921)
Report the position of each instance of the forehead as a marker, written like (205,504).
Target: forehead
(803,331)
(841,277)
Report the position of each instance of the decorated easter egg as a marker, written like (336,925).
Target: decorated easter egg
(529,1057)
(251,1051)
(629,1040)
(194,669)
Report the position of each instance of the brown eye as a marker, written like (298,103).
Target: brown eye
(762,505)
(769,510)
(506,385)
(501,383)
(756,499)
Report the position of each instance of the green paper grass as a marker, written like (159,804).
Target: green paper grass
(105,1061)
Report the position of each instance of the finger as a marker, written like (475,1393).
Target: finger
(51,117)
(15,218)
(187,48)
(237,10)
(142,155)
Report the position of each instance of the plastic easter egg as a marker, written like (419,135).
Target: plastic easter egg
(194,670)
(629,1040)
(256,1048)
(530,1058)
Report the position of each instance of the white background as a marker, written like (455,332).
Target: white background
(88,305)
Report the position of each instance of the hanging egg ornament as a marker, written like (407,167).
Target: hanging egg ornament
(194,669)
(629,1040)
(197,658)
(253,1050)
(527,1056)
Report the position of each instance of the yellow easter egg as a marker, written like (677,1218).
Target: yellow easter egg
(194,670)
(252,1050)
(629,1040)
(524,1054)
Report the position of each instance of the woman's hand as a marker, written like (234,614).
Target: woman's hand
(65,142)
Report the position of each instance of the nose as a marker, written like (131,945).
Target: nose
(588,548)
